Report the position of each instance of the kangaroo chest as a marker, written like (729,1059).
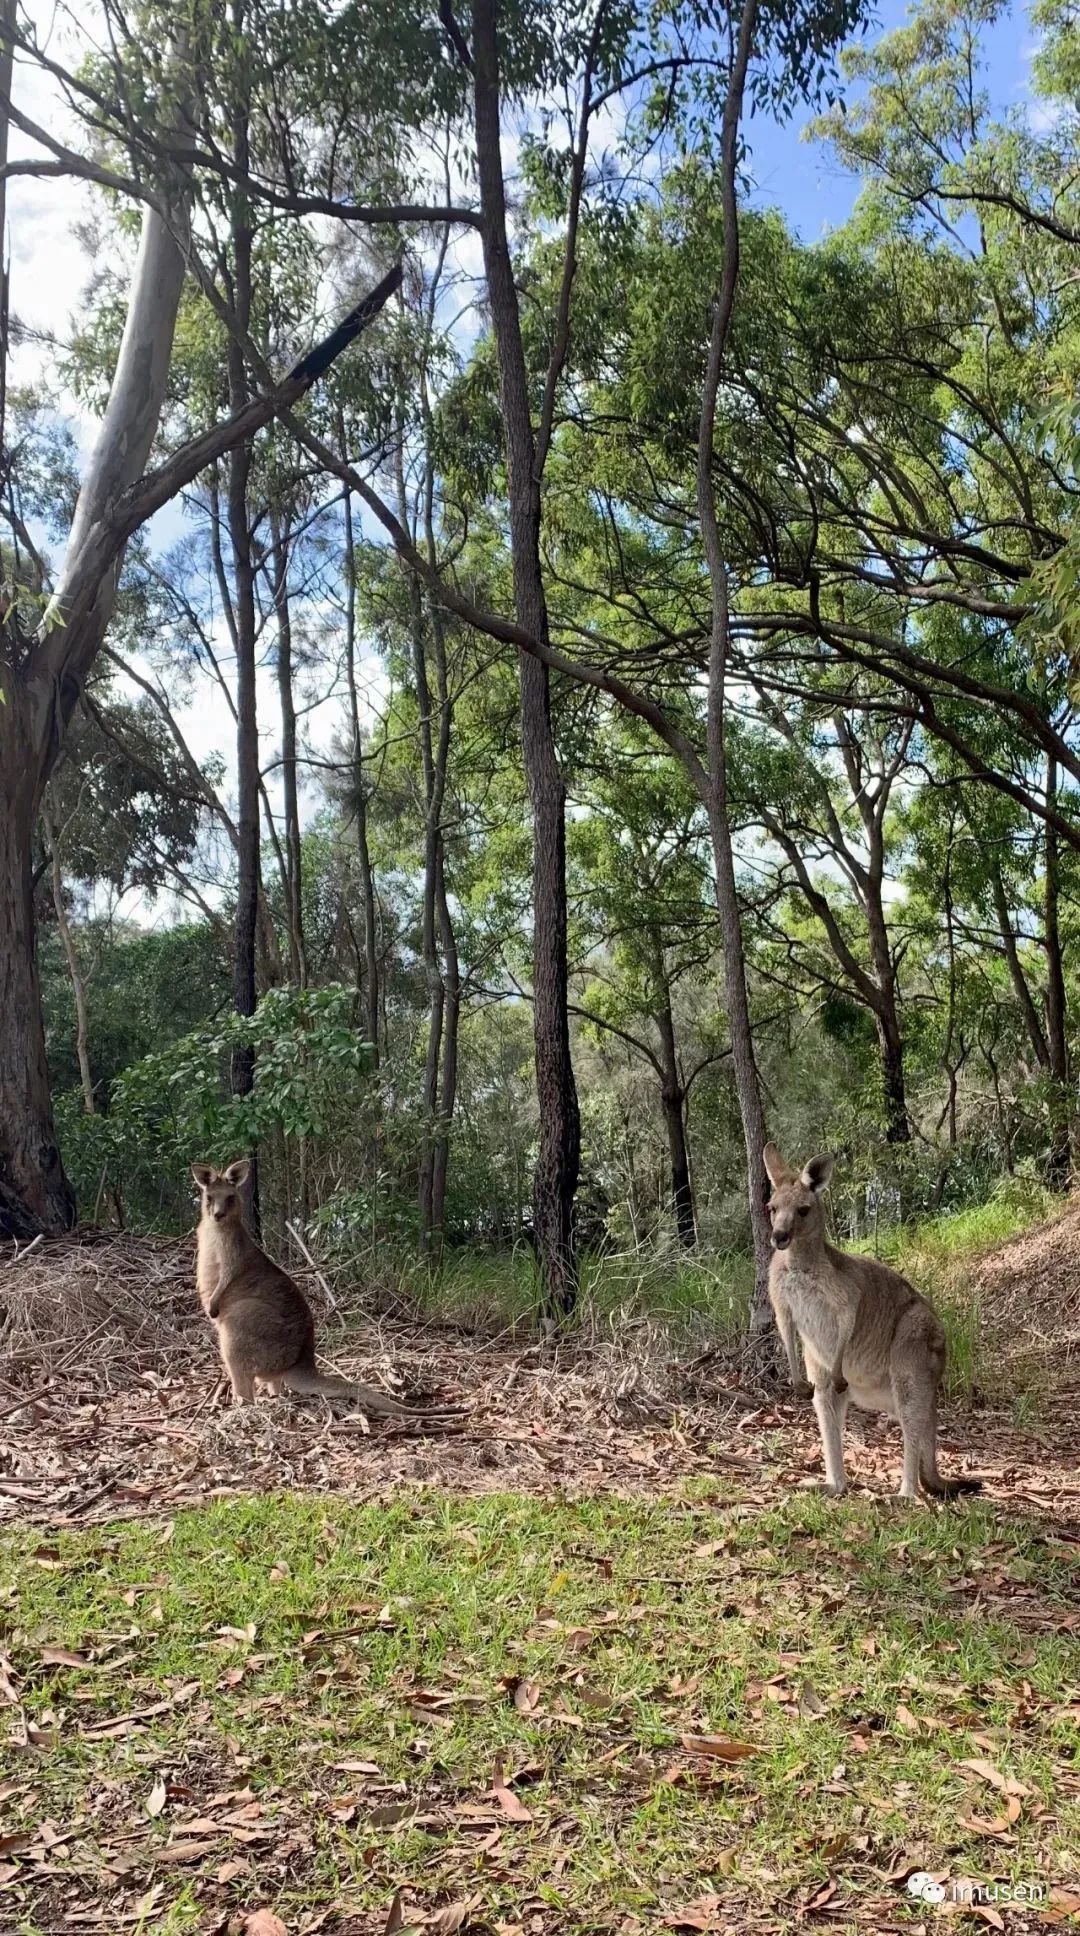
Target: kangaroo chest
(817,1304)
(218,1255)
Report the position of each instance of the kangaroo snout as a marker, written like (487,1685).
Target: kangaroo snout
(781,1239)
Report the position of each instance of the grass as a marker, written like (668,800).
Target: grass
(355,1674)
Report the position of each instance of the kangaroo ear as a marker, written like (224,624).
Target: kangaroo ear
(239,1171)
(776,1169)
(203,1174)
(817,1172)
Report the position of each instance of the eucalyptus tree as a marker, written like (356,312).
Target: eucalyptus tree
(149,112)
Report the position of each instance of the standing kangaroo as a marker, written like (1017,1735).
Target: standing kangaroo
(265,1329)
(866,1333)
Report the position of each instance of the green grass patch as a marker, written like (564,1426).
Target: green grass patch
(313,1698)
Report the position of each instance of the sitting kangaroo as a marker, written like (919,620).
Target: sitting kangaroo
(866,1333)
(265,1329)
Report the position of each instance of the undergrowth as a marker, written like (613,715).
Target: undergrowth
(706,1298)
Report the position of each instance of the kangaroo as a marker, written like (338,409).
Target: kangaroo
(866,1333)
(265,1329)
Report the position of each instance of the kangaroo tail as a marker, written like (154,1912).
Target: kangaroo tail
(947,1488)
(305,1380)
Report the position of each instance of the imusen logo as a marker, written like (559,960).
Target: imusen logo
(965,1893)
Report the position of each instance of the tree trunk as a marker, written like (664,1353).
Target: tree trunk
(294,895)
(429,1101)
(34,1192)
(75,974)
(673,1098)
(448,1076)
(891,1049)
(1056,1007)
(247,730)
(359,791)
(1017,976)
(556,1174)
(450,970)
(727,901)
(886,1009)
(682,1196)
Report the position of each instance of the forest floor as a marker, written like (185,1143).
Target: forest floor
(596,1657)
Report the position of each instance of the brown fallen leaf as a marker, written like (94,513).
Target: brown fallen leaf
(181,1852)
(697,1915)
(263,1922)
(507,1800)
(1004,1784)
(987,1915)
(527,1697)
(12,1844)
(63,1657)
(821,1897)
(155,1801)
(453,1917)
(722,1747)
(810,1701)
(978,1826)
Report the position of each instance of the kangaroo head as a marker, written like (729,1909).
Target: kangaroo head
(219,1190)
(794,1206)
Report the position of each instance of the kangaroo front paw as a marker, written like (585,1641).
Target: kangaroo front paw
(839,1384)
(803,1388)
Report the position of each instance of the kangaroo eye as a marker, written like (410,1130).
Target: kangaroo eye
(804,1209)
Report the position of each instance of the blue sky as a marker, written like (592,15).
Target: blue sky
(801,178)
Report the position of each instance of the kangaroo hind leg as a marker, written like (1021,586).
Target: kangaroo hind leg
(915,1402)
(831,1408)
(241,1377)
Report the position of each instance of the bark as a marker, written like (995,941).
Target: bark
(7,60)
(451,966)
(244,622)
(429,1101)
(294,896)
(359,792)
(682,1196)
(891,1051)
(34,1192)
(886,1014)
(735,989)
(556,1174)
(448,1077)
(71,956)
(1056,1005)
(673,1099)
(1019,980)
